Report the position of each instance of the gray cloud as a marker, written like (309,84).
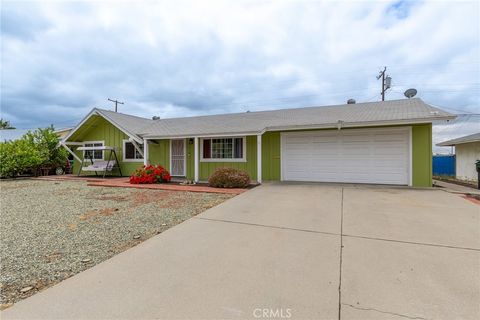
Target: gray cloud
(59,59)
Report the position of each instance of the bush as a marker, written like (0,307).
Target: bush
(150,174)
(17,157)
(34,150)
(229,178)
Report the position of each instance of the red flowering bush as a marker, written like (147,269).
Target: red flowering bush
(150,174)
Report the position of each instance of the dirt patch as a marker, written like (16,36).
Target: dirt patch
(98,212)
(52,257)
(142,197)
(112,198)
(13,187)
(66,191)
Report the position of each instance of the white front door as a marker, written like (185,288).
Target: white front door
(354,156)
(177,157)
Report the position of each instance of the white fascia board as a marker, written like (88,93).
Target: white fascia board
(308,127)
(449,144)
(356,124)
(128,133)
(226,134)
(92,112)
(98,112)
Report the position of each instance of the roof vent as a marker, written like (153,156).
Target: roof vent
(155,118)
(351,101)
(410,93)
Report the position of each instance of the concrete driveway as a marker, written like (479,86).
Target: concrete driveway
(294,251)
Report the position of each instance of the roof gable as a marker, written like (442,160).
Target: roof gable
(465,139)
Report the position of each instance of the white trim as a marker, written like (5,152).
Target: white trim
(218,135)
(196,159)
(184,158)
(410,155)
(244,151)
(70,151)
(92,142)
(72,143)
(127,132)
(356,124)
(98,112)
(310,127)
(405,129)
(91,113)
(124,150)
(137,146)
(146,152)
(259,158)
(282,147)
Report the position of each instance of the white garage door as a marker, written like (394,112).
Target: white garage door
(354,156)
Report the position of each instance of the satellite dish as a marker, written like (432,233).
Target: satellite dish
(410,93)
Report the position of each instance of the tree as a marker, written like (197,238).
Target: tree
(5,124)
(46,142)
(34,150)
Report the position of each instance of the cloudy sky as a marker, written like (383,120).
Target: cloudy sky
(182,58)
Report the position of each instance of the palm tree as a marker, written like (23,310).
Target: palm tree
(5,124)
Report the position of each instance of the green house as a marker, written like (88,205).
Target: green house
(387,142)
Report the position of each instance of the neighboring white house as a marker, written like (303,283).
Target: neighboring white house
(467,151)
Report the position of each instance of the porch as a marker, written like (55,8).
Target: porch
(123,182)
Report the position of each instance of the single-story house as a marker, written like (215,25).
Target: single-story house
(467,152)
(387,142)
(62,133)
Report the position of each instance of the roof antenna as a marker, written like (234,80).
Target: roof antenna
(116,103)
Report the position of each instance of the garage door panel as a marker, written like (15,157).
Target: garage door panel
(356,156)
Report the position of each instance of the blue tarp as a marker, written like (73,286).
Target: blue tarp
(443,165)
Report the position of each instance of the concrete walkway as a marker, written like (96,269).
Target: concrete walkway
(300,251)
(456,188)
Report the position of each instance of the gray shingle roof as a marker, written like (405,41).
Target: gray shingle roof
(132,124)
(466,139)
(360,114)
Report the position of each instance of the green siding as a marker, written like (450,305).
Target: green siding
(250,166)
(190,159)
(159,153)
(271,156)
(422,155)
(99,129)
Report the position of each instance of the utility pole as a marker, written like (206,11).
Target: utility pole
(116,103)
(386,82)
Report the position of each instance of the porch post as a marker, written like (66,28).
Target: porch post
(259,158)
(145,151)
(195,145)
(70,151)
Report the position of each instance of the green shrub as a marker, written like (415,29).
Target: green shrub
(18,156)
(229,178)
(34,150)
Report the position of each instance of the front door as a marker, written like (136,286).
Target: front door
(177,157)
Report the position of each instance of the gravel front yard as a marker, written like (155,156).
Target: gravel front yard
(53,230)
